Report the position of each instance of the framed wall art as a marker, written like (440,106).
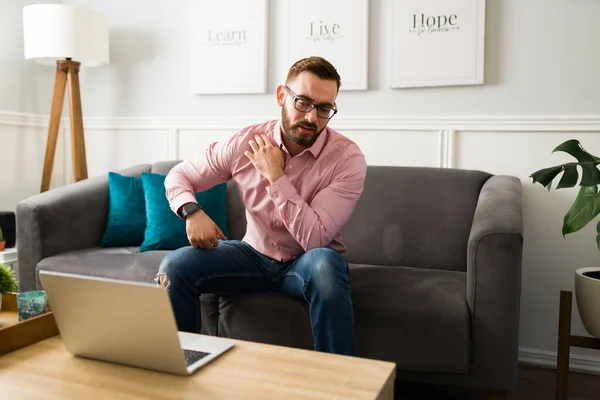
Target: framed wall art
(336,30)
(228,46)
(437,42)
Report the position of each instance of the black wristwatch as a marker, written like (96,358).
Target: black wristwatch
(188,209)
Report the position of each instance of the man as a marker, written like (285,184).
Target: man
(299,181)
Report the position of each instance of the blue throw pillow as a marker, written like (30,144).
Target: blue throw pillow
(126,222)
(164,229)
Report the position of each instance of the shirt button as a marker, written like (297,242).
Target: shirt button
(277,223)
(275,195)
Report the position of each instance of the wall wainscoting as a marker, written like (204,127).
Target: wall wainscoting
(514,145)
(170,137)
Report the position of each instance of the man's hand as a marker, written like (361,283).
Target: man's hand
(202,232)
(266,158)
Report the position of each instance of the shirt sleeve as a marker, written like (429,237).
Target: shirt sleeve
(213,167)
(318,223)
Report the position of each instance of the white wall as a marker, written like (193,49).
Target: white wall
(541,88)
(25,92)
(24,87)
(541,58)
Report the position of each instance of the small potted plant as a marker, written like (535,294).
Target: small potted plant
(584,209)
(2,241)
(8,282)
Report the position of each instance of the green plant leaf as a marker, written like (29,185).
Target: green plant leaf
(591,175)
(585,208)
(546,175)
(570,176)
(588,163)
(574,148)
(8,282)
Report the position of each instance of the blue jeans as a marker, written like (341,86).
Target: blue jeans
(319,277)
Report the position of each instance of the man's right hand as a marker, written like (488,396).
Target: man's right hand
(202,232)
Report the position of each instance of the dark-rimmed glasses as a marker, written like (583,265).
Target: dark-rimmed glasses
(325,112)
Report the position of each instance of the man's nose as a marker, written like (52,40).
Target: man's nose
(311,116)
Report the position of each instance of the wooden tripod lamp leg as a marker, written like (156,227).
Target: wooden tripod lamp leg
(77,138)
(55,113)
(564,346)
(67,71)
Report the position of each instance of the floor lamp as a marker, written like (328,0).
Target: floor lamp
(68,37)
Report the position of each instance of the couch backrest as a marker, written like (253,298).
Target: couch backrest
(407,216)
(414,216)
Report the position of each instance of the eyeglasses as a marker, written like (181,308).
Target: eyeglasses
(325,112)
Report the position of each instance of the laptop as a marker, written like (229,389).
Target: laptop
(123,322)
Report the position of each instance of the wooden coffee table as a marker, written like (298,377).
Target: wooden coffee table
(248,371)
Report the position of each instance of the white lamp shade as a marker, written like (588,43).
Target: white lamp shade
(57,31)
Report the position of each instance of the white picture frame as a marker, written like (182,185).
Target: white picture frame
(228,46)
(337,30)
(437,43)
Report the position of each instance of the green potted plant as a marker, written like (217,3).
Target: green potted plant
(8,282)
(584,209)
(2,241)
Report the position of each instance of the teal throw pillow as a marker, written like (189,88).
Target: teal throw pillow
(126,222)
(164,229)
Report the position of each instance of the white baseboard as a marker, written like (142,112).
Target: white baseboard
(547,359)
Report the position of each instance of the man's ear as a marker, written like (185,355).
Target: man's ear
(280,93)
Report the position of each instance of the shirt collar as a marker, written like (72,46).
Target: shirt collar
(315,149)
(277,132)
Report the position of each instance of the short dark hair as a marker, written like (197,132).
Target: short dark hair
(317,66)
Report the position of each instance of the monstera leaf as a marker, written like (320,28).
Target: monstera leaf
(587,162)
(586,206)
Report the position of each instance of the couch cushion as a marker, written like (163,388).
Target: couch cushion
(125,263)
(414,216)
(236,211)
(164,229)
(126,220)
(415,318)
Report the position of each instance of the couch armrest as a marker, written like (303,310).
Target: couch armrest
(494,282)
(63,219)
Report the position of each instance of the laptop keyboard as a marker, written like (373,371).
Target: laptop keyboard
(191,356)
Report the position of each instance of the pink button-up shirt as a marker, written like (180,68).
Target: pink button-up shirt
(304,209)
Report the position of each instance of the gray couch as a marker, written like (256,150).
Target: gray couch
(435,270)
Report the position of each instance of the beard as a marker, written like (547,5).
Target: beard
(292,131)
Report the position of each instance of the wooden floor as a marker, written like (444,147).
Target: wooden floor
(532,384)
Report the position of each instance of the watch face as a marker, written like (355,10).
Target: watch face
(188,208)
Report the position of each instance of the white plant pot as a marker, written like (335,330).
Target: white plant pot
(587,293)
